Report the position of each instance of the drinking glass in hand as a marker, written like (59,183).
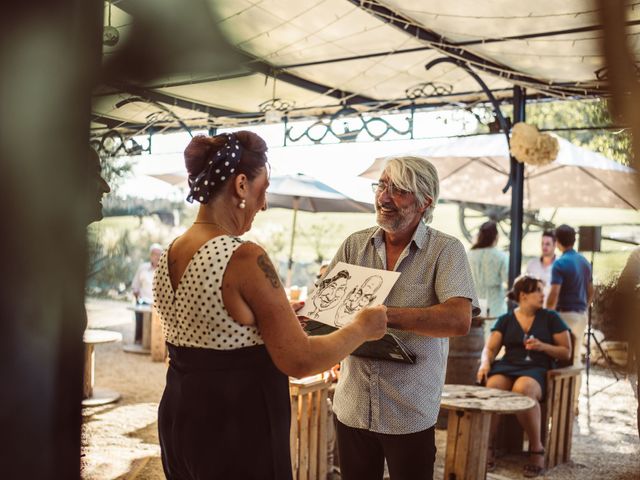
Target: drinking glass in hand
(524,340)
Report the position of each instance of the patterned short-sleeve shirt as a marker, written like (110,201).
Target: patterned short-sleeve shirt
(194,315)
(396,398)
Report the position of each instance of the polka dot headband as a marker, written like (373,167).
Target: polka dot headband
(222,164)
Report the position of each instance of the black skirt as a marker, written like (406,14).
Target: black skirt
(515,370)
(224,414)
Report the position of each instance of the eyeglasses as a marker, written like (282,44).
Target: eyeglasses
(379,187)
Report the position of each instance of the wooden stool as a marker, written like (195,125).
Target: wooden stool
(308,438)
(96,396)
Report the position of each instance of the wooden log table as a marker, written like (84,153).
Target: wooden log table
(91,396)
(470,409)
(152,338)
(145,345)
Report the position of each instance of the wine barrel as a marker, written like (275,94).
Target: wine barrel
(464,360)
(464,355)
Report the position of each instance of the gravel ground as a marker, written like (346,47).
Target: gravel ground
(120,441)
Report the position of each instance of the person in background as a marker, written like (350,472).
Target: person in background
(225,411)
(490,269)
(387,410)
(533,338)
(571,289)
(571,292)
(142,285)
(541,266)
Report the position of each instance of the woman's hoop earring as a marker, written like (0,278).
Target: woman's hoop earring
(242,204)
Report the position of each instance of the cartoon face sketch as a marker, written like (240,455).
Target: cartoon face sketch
(329,292)
(358,298)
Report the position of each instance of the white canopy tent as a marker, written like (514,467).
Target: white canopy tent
(305,58)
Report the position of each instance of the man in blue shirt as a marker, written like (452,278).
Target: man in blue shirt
(571,286)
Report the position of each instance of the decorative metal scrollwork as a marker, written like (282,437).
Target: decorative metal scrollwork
(353,123)
(277,104)
(428,89)
(113,144)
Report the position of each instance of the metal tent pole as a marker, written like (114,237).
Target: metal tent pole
(517,193)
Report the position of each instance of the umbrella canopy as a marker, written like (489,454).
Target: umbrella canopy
(476,168)
(302,192)
(172,178)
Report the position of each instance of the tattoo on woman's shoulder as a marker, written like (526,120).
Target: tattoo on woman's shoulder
(267,267)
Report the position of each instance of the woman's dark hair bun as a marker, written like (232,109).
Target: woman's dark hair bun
(523,284)
(203,149)
(200,148)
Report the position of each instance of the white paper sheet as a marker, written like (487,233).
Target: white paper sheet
(346,290)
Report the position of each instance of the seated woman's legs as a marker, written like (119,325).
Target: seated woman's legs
(530,419)
(501,382)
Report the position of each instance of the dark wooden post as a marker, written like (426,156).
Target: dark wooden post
(49,51)
(517,193)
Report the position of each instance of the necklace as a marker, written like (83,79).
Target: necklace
(215,225)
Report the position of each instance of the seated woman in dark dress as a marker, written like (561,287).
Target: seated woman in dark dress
(533,337)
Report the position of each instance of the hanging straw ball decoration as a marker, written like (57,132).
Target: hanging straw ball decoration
(531,147)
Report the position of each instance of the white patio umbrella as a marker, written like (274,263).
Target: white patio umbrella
(178,179)
(476,168)
(302,192)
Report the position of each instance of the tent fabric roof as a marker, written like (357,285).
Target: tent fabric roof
(370,55)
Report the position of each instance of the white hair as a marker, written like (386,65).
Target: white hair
(155,246)
(417,175)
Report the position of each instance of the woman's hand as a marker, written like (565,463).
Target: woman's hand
(483,372)
(533,343)
(372,321)
(296,304)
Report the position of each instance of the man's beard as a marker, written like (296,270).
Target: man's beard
(398,220)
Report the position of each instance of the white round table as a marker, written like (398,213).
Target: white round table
(92,396)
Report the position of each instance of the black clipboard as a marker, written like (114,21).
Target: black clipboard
(388,347)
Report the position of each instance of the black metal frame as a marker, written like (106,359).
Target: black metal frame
(457,51)
(327,126)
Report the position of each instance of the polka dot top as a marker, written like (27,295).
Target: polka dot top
(194,315)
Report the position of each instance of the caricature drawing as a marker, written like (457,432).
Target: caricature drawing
(329,293)
(345,290)
(358,298)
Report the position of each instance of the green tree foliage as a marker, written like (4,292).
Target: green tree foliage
(116,169)
(569,114)
(321,238)
(116,251)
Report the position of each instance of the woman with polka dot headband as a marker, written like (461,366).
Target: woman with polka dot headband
(233,338)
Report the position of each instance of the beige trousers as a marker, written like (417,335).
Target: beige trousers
(577,322)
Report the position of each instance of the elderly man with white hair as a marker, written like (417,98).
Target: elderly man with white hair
(142,285)
(388,410)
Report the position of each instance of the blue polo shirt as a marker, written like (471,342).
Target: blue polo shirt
(573,273)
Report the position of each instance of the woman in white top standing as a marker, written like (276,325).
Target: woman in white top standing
(233,337)
(489,267)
